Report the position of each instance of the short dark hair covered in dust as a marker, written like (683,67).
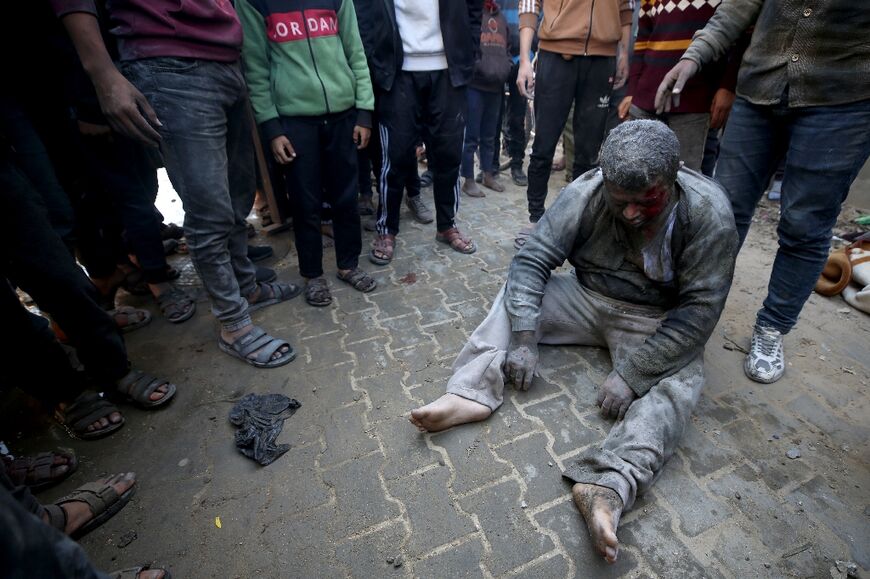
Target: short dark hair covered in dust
(638,154)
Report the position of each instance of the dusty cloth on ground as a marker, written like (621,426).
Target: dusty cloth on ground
(260,419)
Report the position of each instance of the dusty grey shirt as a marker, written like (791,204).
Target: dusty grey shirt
(820,50)
(687,268)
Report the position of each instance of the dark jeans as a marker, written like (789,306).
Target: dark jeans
(31,157)
(208,152)
(711,153)
(123,171)
(512,124)
(421,104)
(824,148)
(325,169)
(31,548)
(35,259)
(481,129)
(584,81)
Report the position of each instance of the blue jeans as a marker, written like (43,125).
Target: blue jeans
(207,148)
(480,131)
(824,148)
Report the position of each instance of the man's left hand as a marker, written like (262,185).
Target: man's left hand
(361,136)
(615,396)
(621,72)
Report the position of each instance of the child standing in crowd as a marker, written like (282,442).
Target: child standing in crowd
(485,93)
(312,96)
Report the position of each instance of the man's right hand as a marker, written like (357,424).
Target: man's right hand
(622,109)
(522,359)
(672,85)
(282,150)
(526,79)
(126,109)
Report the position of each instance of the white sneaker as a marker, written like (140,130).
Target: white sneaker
(765,362)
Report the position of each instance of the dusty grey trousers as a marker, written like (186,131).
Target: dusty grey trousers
(630,459)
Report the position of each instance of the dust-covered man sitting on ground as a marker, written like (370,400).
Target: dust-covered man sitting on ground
(653,245)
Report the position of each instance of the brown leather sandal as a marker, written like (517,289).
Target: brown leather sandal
(456,240)
(382,249)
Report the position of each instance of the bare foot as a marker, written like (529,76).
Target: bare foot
(447,411)
(601,507)
(78,513)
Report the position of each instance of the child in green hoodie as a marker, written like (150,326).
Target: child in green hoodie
(312,97)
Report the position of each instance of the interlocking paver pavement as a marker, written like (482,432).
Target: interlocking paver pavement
(363,494)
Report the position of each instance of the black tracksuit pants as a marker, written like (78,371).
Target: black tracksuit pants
(427,104)
(512,124)
(584,81)
(325,169)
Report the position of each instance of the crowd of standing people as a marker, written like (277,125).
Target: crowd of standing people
(341,91)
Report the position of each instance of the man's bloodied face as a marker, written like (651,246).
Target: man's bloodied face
(637,208)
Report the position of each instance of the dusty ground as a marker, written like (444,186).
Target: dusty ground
(363,494)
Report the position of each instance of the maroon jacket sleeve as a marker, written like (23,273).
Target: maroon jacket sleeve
(63,7)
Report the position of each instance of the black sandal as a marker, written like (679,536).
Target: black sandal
(317,293)
(86,409)
(137,387)
(38,472)
(358,280)
(280,292)
(173,303)
(257,340)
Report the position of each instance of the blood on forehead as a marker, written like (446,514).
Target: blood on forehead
(655,199)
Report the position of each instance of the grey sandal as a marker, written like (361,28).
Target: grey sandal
(317,293)
(137,387)
(258,339)
(133,318)
(102,499)
(280,292)
(358,280)
(86,409)
(173,303)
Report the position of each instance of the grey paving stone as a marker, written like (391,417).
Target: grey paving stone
(767,455)
(565,520)
(430,305)
(298,464)
(555,566)
(696,510)
(507,423)
(332,384)
(391,303)
(835,427)
(366,557)
(405,448)
(303,547)
(569,433)
(449,338)
(360,501)
(721,413)
(703,456)
(457,291)
(461,562)
(471,457)
(553,357)
(778,527)
(347,300)
(314,322)
(387,396)
(320,351)
(742,554)
(662,549)
(578,379)
(361,326)
(416,359)
(344,435)
(541,388)
(371,358)
(851,525)
(513,538)
(430,510)
(530,457)
(769,417)
(405,330)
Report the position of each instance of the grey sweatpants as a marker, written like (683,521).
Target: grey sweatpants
(631,457)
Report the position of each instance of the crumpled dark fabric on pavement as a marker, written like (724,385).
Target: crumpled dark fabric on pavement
(260,419)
